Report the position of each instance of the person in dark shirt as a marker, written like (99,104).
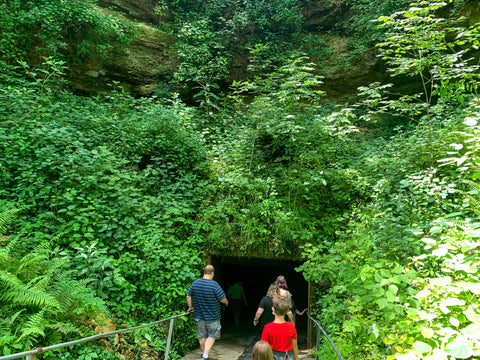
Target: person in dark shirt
(264,311)
(203,298)
(236,294)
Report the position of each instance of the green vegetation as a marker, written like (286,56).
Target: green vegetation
(108,203)
(54,28)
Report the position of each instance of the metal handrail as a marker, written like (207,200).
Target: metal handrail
(316,322)
(31,354)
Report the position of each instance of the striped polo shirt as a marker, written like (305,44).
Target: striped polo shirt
(206,296)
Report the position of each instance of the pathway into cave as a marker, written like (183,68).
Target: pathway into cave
(255,274)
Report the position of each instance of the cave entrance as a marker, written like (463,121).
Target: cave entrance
(256,275)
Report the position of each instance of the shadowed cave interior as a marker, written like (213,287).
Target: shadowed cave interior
(255,275)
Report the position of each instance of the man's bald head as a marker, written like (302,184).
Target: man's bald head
(208,270)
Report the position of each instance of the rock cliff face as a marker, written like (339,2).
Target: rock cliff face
(324,14)
(137,67)
(143,64)
(137,10)
(148,60)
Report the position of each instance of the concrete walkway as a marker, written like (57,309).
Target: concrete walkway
(229,347)
(237,345)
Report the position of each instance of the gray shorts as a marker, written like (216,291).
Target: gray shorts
(208,329)
(279,355)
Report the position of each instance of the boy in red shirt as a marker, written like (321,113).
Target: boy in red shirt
(280,334)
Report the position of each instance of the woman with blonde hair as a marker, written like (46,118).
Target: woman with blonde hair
(262,351)
(266,303)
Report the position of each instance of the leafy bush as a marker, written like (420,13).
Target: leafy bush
(390,293)
(103,169)
(41,300)
(274,188)
(32,29)
(444,320)
(121,180)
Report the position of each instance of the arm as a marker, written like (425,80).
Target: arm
(224,301)
(258,314)
(189,303)
(244,298)
(290,315)
(295,348)
(301,312)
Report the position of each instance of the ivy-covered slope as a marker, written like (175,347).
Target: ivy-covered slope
(116,184)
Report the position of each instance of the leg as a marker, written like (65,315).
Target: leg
(202,334)
(202,344)
(237,310)
(213,334)
(208,344)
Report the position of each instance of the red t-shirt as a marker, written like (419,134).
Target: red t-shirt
(279,335)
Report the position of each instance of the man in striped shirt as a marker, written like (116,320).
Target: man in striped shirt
(203,298)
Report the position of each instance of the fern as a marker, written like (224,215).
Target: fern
(6,218)
(8,280)
(34,326)
(67,328)
(30,296)
(39,300)
(35,259)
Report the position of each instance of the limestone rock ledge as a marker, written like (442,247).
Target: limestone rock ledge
(143,64)
(148,60)
(137,67)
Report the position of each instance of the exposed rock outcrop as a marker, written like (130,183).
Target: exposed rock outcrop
(148,61)
(136,10)
(142,65)
(137,67)
(324,15)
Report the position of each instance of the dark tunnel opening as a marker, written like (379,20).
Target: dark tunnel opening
(256,275)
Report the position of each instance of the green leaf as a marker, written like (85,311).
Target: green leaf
(412,274)
(398,270)
(427,333)
(382,302)
(390,296)
(422,347)
(393,289)
(454,321)
(458,349)
(472,331)
(385,273)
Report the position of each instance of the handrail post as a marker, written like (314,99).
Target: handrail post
(169,339)
(31,357)
(323,332)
